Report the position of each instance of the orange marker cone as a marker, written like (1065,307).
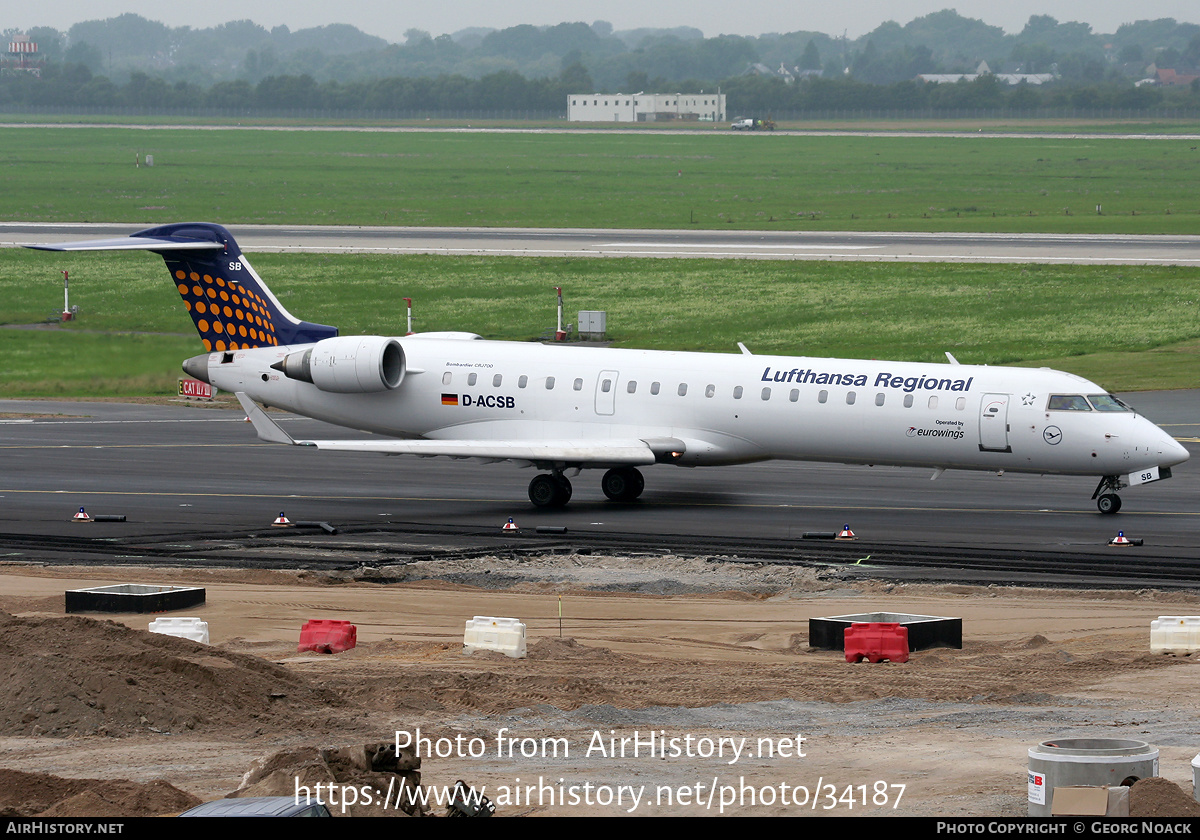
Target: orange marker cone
(282,521)
(510,525)
(82,516)
(846,533)
(1120,539)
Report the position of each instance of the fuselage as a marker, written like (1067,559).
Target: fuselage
(730,408)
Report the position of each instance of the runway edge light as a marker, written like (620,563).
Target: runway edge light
(510,525)
(846,533)
(82,516)
(1121,539)
(282,521)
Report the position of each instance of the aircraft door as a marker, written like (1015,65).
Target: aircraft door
(993,423)
(606,392)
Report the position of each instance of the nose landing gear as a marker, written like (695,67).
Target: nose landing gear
(1107,500)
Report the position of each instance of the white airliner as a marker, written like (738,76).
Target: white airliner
(563,408)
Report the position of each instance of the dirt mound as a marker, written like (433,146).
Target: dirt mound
(371,780)
(1158,797)
(79,676)
(42,795)
(568,648)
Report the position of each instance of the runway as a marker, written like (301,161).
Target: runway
(1084,249)
(180,473)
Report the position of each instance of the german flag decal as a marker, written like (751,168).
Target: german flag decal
(449,399)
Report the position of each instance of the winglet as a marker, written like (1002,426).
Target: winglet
(950,356)
(745,350)
(266,428)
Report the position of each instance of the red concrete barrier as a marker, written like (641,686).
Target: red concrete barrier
(877,641)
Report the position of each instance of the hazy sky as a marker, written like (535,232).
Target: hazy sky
(389,19)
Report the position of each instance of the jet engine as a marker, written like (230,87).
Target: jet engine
(352,364)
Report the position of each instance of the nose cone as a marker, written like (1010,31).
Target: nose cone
(197,368)
(1173,452)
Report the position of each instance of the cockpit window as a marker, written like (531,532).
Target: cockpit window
(1068,402)
(1106,402)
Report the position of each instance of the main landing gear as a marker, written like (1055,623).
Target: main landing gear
(1107,500)
(553,490)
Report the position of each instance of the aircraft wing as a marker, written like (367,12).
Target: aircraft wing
(631,452)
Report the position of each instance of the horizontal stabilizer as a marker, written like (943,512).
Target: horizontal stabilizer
(132,243)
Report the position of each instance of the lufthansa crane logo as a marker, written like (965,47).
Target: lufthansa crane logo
(1052,435)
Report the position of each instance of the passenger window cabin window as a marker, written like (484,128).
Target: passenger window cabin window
(496,380)
(577,385)
(737,392)
(849,398)
(632,386)
(823,397)
(960,403)
(472,378)
(879,398)
(683,389)
(933,402)
(606,386)
(654,388)
(766,394)
(908,400)
(710,391)
(446,377)
(549,383)
(794,395)
(522,381)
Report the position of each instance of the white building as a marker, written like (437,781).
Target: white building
(645,107)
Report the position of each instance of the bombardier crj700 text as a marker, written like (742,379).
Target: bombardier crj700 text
(563,409)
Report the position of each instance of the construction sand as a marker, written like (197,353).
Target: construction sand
(701,668)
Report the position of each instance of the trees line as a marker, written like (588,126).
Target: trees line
(73,87)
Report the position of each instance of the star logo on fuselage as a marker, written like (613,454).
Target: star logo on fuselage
(1028,400)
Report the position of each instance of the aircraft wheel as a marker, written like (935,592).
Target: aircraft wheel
(1109,503)
(564,489)
(549,491)
(623,485)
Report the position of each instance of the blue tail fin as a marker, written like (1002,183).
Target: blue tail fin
(230,305)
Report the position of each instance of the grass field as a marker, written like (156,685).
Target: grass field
(710,179)
(1125,327)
